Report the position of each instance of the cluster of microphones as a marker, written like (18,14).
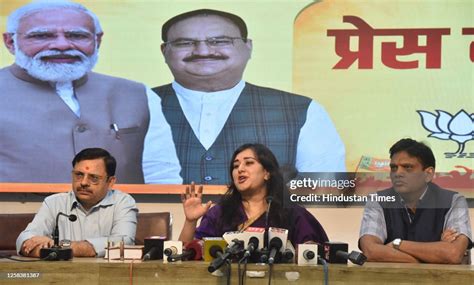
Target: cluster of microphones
(249,246)
(268,245)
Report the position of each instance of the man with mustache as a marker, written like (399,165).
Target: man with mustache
(419,221)
(102,214)
(212,110)
(52,105)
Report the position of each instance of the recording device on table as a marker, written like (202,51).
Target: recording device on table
(58,252)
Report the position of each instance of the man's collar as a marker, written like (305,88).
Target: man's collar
(74,202)
(107,201)
(424,193)
(22,74)
(180,89)
(419,199)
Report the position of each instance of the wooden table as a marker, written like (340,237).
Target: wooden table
(91,271)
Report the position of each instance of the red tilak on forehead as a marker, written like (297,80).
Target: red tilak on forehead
(87,167)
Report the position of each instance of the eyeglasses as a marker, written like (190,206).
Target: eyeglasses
(78,37)
(92,178)
(218,42)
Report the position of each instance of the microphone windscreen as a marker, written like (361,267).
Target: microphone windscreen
(342,254)
(72,218)
(154,245)
(170,250)
(174,248)
(196,246)
(255,241)
(209,242)
(308,254)
(357,257)
(282,234)
(215,250)
(276,243)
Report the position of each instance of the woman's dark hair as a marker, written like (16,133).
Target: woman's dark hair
(232,199)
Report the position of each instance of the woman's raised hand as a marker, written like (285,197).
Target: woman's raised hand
(192,203)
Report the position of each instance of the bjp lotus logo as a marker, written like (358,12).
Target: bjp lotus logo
(444,126)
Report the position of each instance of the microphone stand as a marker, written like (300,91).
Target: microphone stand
(269,200)
(56,252)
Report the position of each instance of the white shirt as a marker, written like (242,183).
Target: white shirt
(114,218)
(207,112)
(65,90)
(160,162)
(319,149)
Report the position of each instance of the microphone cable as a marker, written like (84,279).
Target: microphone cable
(241,274)
(270,273)
(229,270)
(326,270)
(52,255)
(20,260)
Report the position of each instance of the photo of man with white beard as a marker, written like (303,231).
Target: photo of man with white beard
(53,106)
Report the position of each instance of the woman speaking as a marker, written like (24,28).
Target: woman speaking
(255,176)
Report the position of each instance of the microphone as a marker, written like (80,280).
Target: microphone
(171,247)
(192,251)
(307,254)
(275,246)
(232,249)
(252,246)
(170,251)
(328,250)
(216,252)
(245,236)
(153,248)
(275,234)
(288,254)
(252,237)
(269,200)
(151,254)
(71,218)
(56,252)
(355,257)
(212,246)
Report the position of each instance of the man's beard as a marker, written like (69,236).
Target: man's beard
(56,72)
